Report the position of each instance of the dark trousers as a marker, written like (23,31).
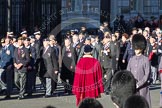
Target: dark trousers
(54,83)
(40,73)
(6,81)
(161,91)
(2,82)
(107,76)
(121,65)
(30,81)
(68,82)
(9,80)
(50,86)
(20,81)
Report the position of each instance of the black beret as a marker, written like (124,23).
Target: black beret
(32,37)
(88,38)
(68,33)
(87,48)
(93,36)
(139,42)
(27,39)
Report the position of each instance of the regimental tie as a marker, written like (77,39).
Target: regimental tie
(19,52)
(106,46)
(45,50)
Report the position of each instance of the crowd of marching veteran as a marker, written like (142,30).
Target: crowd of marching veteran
(24,58)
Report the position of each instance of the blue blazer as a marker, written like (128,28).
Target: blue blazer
(129,52)
(7,58)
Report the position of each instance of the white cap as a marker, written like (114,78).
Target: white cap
(24,32)
(37,33)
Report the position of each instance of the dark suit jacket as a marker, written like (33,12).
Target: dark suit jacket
(77,47)
(24,58)
(33,54)
(105,59)
(50,63)
(98,47)
(73,57)
(57,49)
(68,60)
(115,51)
(129,52)
(38,45)
(100,34)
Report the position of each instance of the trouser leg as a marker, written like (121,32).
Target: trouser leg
(43,82)
(154,74)
(22,83)
(105,79)
(17,79)
(9,80)
(161,91)
(108,79)
(48,86)
(64,82)
(29,81)
(2,84)
(70,84)
(54,86)
(34,80)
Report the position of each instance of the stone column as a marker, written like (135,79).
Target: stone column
(8,15)
(78,5)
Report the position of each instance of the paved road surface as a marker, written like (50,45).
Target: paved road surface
(64,101)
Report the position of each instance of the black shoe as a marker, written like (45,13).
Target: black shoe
(107,93)
(34,90)
(29,94)
(46,96)
(20,97)
(69,93)
(7,97)
(3,91)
